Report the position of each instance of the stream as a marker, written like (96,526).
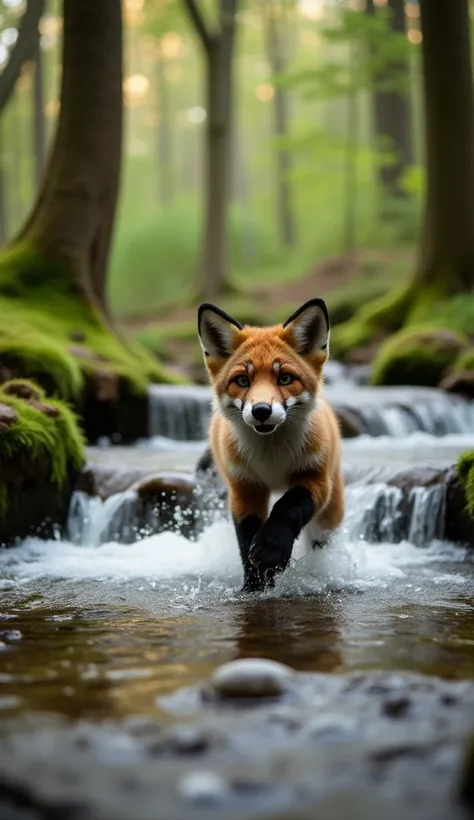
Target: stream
(105,646)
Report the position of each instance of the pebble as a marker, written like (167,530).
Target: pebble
(252,678)
(203,787)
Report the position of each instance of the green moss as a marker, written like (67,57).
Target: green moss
(40,357)
(374,321)
(465,468)
(53,440)
(465,361)
(418,356)
(42,313)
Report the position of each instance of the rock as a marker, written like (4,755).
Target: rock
(417,357)
(252,678)
(8,415)
(41,454)
(203,787)
(466,780)
(461,382)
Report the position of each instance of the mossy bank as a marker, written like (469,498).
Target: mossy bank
(50,332)
(42,454)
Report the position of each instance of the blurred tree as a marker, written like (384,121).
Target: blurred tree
(74,213)
(39,130)
(447,254)
(277,22)
(163,22)
(391,104)
(446,261)
(218,47)
(23,49)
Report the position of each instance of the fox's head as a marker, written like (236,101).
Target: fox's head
(265,376)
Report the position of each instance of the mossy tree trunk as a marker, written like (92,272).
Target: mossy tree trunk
(218,46)
(392,113)
(446,263)
(74,214)
(446,256)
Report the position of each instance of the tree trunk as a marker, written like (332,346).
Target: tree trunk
(39,136)
(3,215)
(164,152)
(447,257)
(392,113)
(215,263)
(73,218)
(22,51)
(277,54)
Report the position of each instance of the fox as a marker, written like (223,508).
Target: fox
(272,430)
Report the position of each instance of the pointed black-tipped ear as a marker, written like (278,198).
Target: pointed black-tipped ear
(309,328)
(217,331)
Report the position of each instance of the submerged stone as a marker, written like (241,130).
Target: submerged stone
(252,678)
(203,787)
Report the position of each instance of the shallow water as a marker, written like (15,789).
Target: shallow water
(103,631)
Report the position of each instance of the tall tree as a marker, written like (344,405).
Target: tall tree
(446,259)
(39,130)
(164,136)
(218,48)
(447,254)
(277,30)
(391,104)
(73,217)
(22,51)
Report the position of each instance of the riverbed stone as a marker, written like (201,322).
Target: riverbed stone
(376,767)
(251,678)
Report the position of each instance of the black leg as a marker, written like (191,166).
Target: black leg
(270,550)
(246,530)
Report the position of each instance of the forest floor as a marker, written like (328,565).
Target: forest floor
(346,282)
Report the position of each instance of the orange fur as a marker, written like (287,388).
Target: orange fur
(304,449)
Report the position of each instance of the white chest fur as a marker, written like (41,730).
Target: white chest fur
(271,460)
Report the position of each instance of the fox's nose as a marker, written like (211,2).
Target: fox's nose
(261,412)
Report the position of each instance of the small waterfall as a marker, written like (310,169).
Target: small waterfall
(182,412)
(378,512)
(126,518)
(179,412)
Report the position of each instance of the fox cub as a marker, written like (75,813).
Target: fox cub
(271,430)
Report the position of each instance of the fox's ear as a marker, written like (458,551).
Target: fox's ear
(217,331)
(309,328)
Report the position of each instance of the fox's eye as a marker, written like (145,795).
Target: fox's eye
(242,381)
(285,378)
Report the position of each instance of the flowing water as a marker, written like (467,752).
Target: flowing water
(94,629)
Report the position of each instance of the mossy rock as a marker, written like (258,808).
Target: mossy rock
(465,467)
(417,356)
(41,453)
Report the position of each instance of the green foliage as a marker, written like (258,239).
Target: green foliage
(465,467)
(54,440)
(374,46)
(41,314)
(417,356)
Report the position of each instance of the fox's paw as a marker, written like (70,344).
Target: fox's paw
(270,552)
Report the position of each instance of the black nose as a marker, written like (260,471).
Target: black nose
(261,412)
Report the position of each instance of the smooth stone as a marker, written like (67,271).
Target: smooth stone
(252,678)
(203,787)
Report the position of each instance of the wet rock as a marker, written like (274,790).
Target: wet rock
(203,788)
(252,678)
(461,382)
(396,707)
(39,467)
(466,782)
(8,416)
